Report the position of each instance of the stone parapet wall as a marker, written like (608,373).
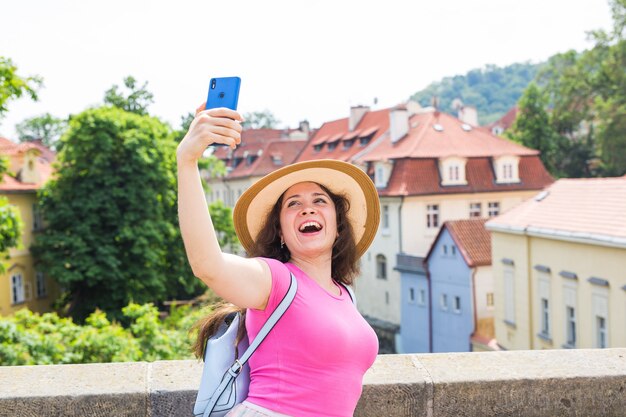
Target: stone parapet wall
(514,383)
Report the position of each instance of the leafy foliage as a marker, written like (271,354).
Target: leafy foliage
(260,120)
(136,100)
(10,228)
(45,127)
(14,86)
(28,338)
(587,95)
(112,233)
(222,217)
(492,90)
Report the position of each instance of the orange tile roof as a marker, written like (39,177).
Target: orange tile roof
(424,141)
(421,177)
(505,121)
(472,239)
(589,210)
(374,123)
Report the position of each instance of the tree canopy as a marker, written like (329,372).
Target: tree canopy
(136,99)
(260,120)
(45,127)
(14,86)
(492,90)
(112,234)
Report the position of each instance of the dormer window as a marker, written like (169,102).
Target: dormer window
(348,143)
(507,169)
(364,140)
(277,159)
(318,148)
(382,172)
(452,171)
(332,146)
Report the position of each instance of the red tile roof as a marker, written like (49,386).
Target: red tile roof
(472,239)
(273,155)
(593,210)
(251,137)
(43,164)
(424,141)
(374,123)
(421,177)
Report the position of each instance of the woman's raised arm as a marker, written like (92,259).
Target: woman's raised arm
(244,282)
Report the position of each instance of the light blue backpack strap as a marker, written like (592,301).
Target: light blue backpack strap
(236,367)
(350,292)
(272,320)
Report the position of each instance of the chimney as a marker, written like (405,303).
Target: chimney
(469,115)
(356,114)
(398,123)
(304,126)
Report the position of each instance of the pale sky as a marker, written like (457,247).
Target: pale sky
(299,59)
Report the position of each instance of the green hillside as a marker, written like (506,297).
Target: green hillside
(492,90)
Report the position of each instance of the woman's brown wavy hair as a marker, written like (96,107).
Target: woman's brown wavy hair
(344,268)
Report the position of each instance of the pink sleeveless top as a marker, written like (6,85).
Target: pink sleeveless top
(312,363)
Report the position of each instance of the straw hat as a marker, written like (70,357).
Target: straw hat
(343,178)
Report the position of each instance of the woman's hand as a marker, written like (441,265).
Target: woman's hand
(211,126)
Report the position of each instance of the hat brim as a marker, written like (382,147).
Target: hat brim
(339,177)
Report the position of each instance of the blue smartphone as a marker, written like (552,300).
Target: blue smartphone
(223,92)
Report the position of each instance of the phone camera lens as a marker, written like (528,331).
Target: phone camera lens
(213,83)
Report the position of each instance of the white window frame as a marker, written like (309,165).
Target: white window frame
(489,300)
(475,210)
(457,304)
(432,216)
(494,208)
(570,295)
(17,288)
(412,295)
(381,266)
(600,311)
(385,218)
(421,300)
(443,302)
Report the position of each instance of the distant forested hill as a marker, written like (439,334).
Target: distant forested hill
(492,90)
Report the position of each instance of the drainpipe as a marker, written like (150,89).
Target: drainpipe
(531,337)
(400,221)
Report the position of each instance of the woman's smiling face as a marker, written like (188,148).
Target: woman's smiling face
(308,220)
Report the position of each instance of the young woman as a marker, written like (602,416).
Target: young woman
(314,219)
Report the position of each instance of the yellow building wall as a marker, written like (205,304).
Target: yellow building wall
(585,260)
(417,238)
(20,261)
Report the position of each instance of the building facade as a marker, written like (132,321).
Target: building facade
(558,263)
(22,285)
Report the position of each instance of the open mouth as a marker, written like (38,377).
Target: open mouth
(310,227)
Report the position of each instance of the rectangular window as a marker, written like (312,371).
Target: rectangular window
(17,289)
(432,215)
(386,297)
(41,284)
(494,208)
(457,304)
(570,316)
(422,297)
(545,317)
(412,295)
(509,296)
(489,299)
(601,339)
(507,171)
(475,210)
(453,249)
(453,172)
(37,218)
(385,217)
(444,250)
(444,302)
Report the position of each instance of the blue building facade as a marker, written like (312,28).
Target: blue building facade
(415,308)
(452,296)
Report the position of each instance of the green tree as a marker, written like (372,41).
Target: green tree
(14,86)
(45,127)
(532,127)
(222,217)
(135,100)
(112,233)
(10,220)
(260,120)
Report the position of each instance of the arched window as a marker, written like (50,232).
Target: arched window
(381,267)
